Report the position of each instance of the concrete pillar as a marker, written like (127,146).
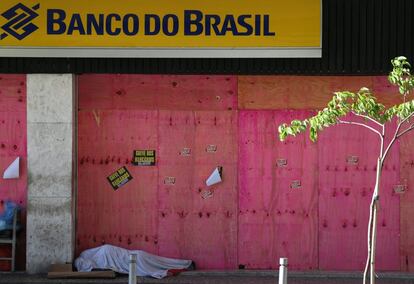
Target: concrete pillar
(50,128)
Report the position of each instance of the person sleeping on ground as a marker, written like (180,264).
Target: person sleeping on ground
(117,259)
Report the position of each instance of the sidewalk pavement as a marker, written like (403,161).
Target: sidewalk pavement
(221,277)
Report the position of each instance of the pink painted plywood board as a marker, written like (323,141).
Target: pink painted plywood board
(204,230)
(125,217)
(13,144)
(345,190)
(276,220)
(157,92)
(13,93)
(407,199)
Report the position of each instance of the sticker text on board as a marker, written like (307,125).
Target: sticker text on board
(206,194)
(400,188)
(352,160)
(281,163)
(144,158)
(296,184)
(119,178)
(211,148)
(169,180)
(185,152)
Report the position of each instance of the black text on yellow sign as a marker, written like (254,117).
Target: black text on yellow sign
(161,24)
(195,23)
(119,178)
(144,158)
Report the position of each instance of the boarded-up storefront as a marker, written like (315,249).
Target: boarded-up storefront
(296,199)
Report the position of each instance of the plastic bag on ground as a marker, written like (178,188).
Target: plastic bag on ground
(117,259)
(6,217)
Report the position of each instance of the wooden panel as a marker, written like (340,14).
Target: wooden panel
(153,92)
(13,93)
(126,217)
(13,144)
(307,92)
(345,191)
(13,133)
(276,220)
(182,118)
(216,235)
(204,230)
(171,217)
(407,199)
(176,144)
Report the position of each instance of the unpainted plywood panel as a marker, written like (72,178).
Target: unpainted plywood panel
(278,196)
(157,92)
(307,92)
(347,169)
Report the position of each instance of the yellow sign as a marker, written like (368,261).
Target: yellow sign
(144,158)
(119,178)
(213,24)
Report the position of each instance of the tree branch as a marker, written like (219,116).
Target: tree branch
(360,124)
(392,142)
(401,123)
(405,119)
(398,135)
(367,117)
(382,142)
(406,130)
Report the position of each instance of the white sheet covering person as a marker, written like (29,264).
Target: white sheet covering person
(117,259)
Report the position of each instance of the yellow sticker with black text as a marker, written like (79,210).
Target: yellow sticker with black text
(119,178)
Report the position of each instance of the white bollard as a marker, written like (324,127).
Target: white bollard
(283,270)
(132,269)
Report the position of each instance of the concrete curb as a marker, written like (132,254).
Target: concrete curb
(217,277)
(294,274)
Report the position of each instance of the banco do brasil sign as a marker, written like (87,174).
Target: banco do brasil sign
(175,28)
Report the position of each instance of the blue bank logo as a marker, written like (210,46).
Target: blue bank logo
(19,21)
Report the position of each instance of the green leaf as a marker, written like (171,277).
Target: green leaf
(401,75)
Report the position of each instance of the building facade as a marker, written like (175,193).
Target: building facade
(76,121)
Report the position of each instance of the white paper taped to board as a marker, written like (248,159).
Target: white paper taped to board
(215,177)
(13,170)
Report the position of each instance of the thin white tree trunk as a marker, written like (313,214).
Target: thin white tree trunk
(373,242)
(367,264)
(373,218)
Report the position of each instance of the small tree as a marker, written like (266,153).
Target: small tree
(368,113)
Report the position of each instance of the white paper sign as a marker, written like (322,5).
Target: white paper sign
(13,170)
(215,177)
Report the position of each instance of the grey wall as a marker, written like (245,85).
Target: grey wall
(50,124)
